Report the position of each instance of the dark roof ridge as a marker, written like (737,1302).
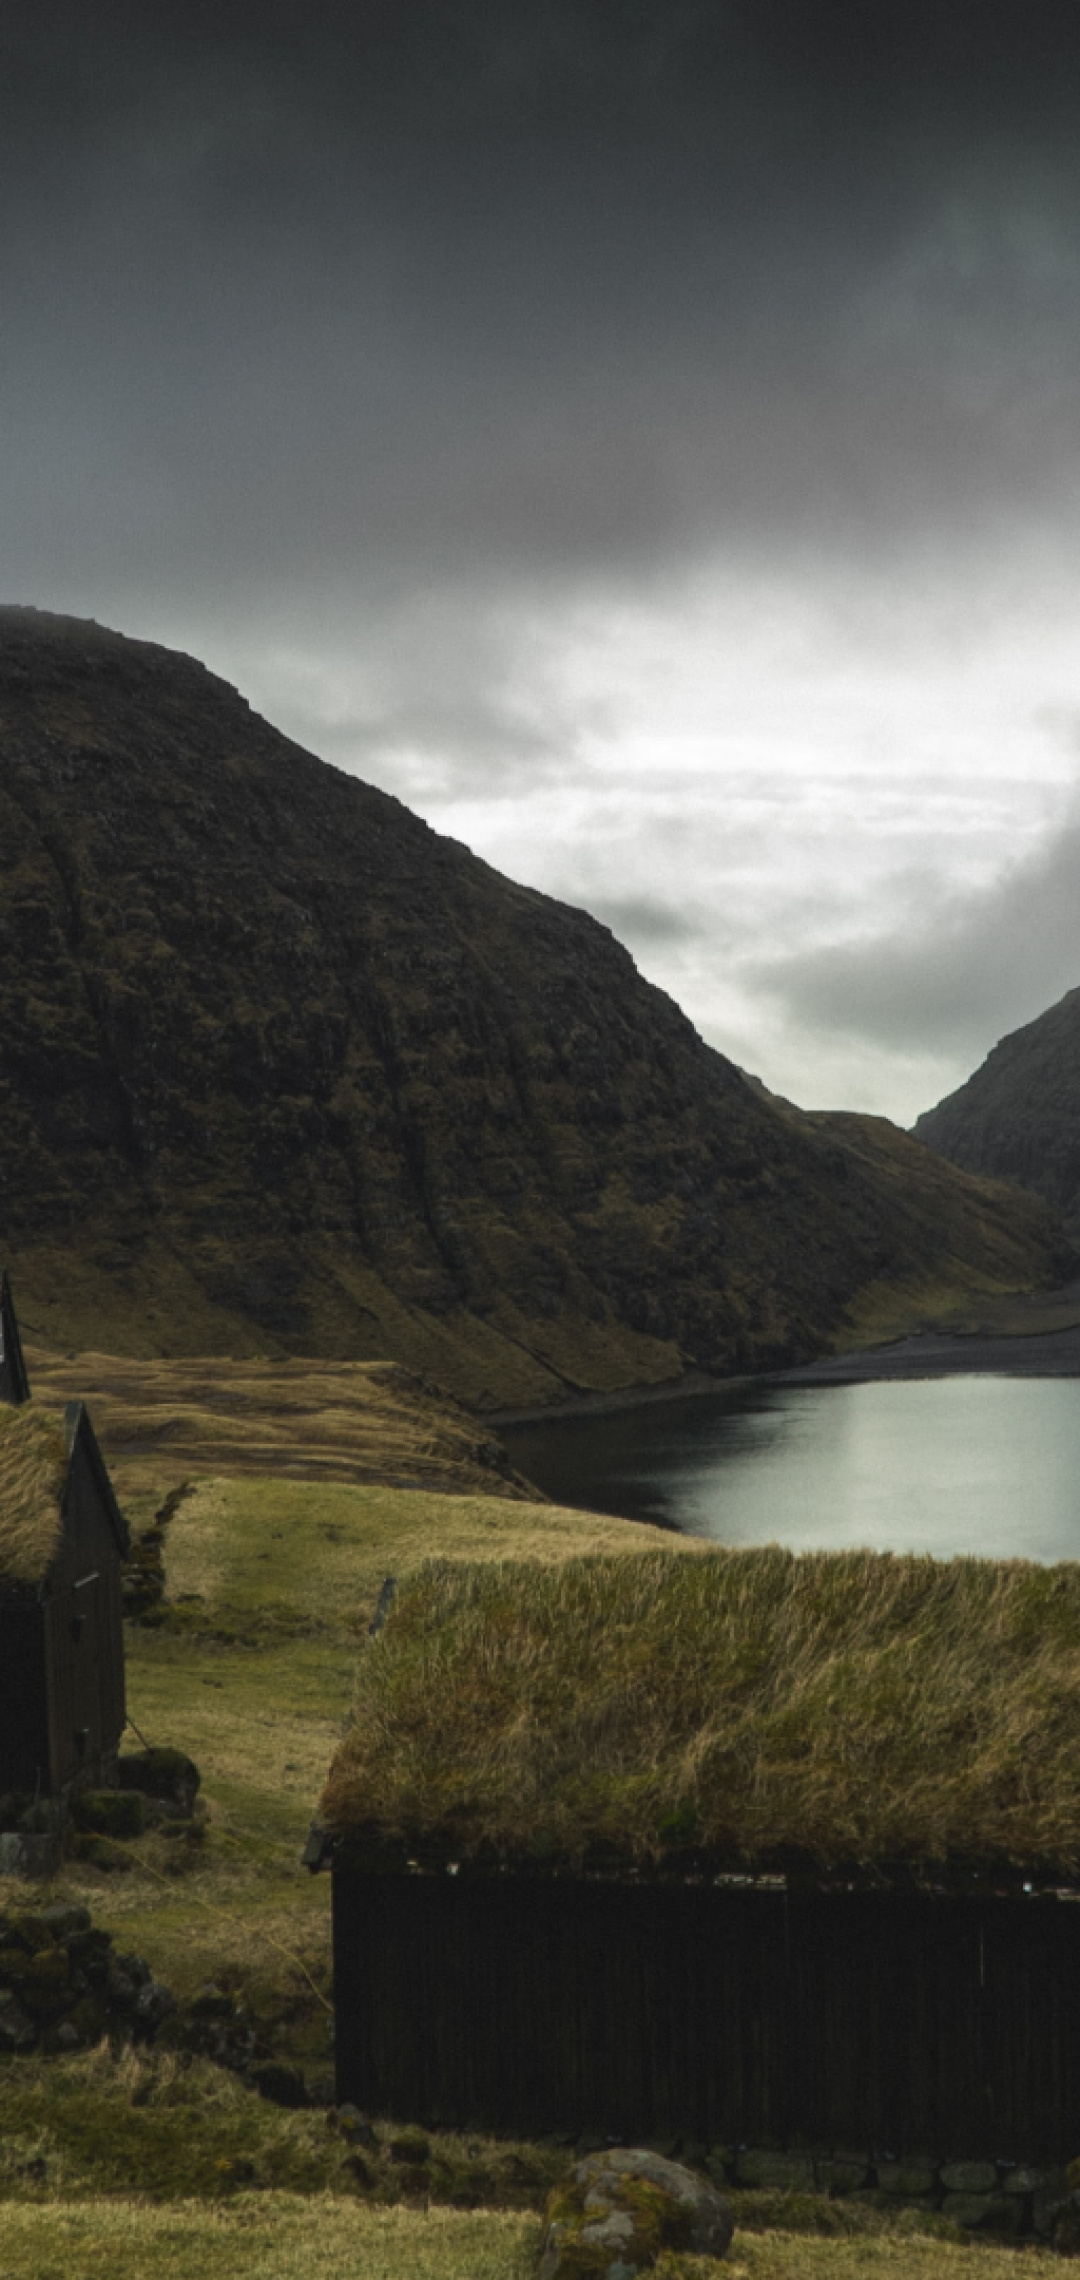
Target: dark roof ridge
(79,1432)
(14,1382)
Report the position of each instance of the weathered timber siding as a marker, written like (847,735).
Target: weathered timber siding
(65,1757)
(894,2021)
(96,1604)
(85,1632)
(24,1725)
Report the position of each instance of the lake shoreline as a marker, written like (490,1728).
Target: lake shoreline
(690,1387)
(937,1354)
(929,1354)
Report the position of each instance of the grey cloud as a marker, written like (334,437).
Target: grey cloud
(445,697)
(394,296)
(444,751)
(643,921)
(954,980)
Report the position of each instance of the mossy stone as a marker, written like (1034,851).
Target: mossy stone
(48,1969)
(622,2209)
(412,2148)
(111,1812)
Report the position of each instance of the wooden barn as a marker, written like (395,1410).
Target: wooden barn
(62,1542)
(731,1847)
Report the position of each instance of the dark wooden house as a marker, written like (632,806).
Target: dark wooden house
(62,1542)
(504,1957)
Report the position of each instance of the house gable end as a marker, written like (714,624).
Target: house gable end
(92,1518)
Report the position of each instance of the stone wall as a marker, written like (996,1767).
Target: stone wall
(1015,2199)
(62,1986)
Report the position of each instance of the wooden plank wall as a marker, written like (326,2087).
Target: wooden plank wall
(899,2023)
(24,1724)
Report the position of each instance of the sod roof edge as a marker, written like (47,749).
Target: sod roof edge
(33,1468)
(863,1716)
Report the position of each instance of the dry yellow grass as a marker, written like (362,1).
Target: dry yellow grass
(274,2236)
(161,1421)
(850,1708)
(790,2256)
(286,2236)
(33,1464)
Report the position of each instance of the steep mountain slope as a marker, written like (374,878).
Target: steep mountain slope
(282,1070)
(1018,1117)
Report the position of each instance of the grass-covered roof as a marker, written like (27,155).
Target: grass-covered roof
(839,1707)
(33,1469)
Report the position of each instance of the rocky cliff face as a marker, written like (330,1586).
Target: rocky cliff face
(1018,1117)
(283,1070)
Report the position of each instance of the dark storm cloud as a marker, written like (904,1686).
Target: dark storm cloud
(383,295)
(956,978)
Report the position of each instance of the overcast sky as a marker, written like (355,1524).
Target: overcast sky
(644,434)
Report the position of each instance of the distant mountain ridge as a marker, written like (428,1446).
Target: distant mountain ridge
(1018,1117)
(281,1069)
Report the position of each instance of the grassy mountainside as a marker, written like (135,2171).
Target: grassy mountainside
(1018,1117)
(282,1071)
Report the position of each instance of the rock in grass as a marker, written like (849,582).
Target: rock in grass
(983,2212)
(618,2210)
(111,1812)
(355,2126)
(911,2180)
(412,2149)
(969,2177)
(168,1776)
(283,2085)
(778,2172)
(65,1922)
(17,2031)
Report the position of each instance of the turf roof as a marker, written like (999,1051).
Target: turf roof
(859,1708)
(33,1469)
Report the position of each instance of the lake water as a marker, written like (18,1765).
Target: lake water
(988,1465)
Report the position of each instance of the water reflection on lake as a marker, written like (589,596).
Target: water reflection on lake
(989,1465)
